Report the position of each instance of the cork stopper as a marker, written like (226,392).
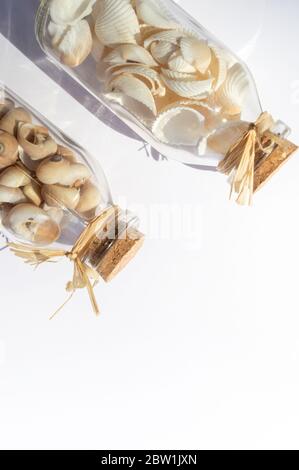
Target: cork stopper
(121,252)
(267,167)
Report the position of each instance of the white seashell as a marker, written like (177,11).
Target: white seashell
(130,53)
(198,89)
(150,75)
(173,37)
(11,195)
(69,12)
(178,64)
(218,66)
(226,136)
(162,50)
(98,48)
(74,43)
(154,15)
(14,177)
(173,75)
(196,53)
(134,88)
(179,126)
(232,94)
(116,23)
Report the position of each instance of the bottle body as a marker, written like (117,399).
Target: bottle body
(50,188)
(191,84)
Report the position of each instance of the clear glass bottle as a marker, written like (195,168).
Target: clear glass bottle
(51,189)
(200,89)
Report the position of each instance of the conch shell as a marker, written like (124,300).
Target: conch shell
(116,22)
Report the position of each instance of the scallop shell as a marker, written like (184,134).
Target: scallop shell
(226,136)
(150,75)
(172,37)
(130,53)
(218,66)
(69,12)
(197,89)
(134,88)
(116,23)
(74,43)
(173,75)
(197,53)
(178,64)
(162,50)
(179,126)
(232,94)
(154,14)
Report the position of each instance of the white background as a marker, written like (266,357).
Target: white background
(197,346)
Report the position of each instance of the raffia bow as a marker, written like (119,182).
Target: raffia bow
(84,276)
(240,162)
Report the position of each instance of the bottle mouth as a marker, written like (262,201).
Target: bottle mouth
(116,245)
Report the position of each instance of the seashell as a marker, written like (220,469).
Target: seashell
(172,37)
(74,43)
(32,192)
(10,122)
(14,177)
(226,136)
(218,66)
(60,196)
(90,198)
(154,15)
(162,50)
(197,53)
(11,195)
(145,32)
(98,48)
(36,141)
(150,75)
(59,170)
(173,75)
(177,63)
(197,89)
(69,12)
(179,126)
(116,22)
(5,106)
(130,53)
(66,153)
(134,88)
(8,150)
(32,224)
(55,213)
(232,94)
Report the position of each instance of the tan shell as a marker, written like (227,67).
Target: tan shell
(11,195)
(5,106)
(218,67)
(32,224)
(14,177)
(11,120)
(8,150)
(116,22)
(36,141)
(60,196)
(66,153)
(69,12)
(33,193)
(90,198)
(59,170)
(55,213)
(74,43)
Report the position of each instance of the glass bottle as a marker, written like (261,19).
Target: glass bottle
(51,190)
